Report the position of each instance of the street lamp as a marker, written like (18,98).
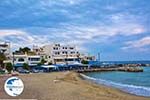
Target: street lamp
(66,59)
(13,61)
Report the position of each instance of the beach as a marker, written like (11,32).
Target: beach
(64,86)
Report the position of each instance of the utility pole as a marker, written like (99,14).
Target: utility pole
(99,56)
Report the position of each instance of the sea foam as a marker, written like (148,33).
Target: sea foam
(132,89)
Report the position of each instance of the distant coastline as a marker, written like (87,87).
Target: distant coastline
(129,62)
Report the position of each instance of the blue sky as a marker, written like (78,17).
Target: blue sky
(118,29)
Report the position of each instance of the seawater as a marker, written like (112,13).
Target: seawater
(133,83)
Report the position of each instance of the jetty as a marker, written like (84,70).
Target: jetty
(124,69)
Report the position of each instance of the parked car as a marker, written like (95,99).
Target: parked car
(2,71)
(38,70)
(35,71)
(23,71)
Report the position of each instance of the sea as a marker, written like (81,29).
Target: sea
(133,83)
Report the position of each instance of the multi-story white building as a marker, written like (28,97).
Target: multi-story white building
(5,48)
(58,54)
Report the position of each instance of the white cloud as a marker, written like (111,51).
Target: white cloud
(72,33)
(16,37)
(141,45)
(10,32)
(127,23)
(48,3)
(89,32)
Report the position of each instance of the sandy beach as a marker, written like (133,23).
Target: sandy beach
(64,86)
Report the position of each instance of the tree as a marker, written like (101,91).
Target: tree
(24,50)
(26,66)
(9,67)
(43,61)
(84,62)
(2,58)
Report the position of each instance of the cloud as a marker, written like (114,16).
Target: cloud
(10,32)
(70,2)
(90,32)
(130,24)
(138,45)
(70,33)
(18,38)
(79,22)
(19,34)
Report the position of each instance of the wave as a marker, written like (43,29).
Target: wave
(132,89)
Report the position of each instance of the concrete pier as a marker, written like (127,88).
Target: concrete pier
(124,69)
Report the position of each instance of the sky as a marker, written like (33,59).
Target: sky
(117,29)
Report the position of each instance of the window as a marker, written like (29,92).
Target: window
(57,45)
(71,52)
(69,59)
(21,60)
(57,53)
(58,60)
(34,59)
(71,48)
(55,48)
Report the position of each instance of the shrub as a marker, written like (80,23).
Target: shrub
(43,61)
(26,66)
(39,64)
(9,67)
(84,62)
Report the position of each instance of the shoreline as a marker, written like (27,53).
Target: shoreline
(113,89)
(65,86)
(114,85)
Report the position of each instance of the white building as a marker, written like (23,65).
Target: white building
(19,60)
(38,50)
(58,54)
(87,57)
(5,48)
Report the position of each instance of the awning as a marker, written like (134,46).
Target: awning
(49,66)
